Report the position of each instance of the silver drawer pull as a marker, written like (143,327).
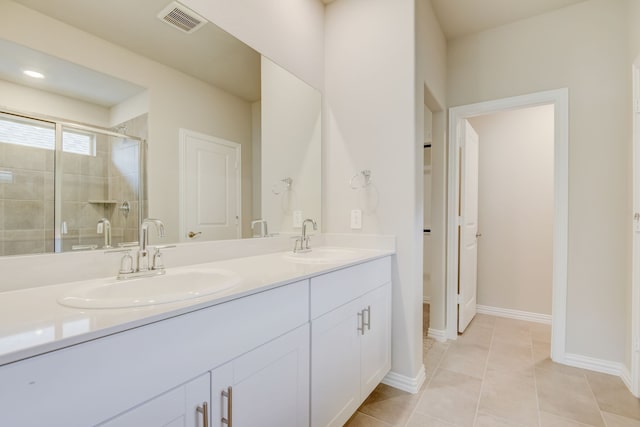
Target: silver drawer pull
(204,410)
(368,322)
(361,322)
(229,395)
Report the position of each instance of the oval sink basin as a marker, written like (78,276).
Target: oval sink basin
(175,285)
(322,256)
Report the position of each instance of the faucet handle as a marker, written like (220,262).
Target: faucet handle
(126,263)
(157,263)
(157,248)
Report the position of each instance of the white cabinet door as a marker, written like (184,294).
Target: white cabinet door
(350,354)
(175,408)
(266,387)
(335,366)
(376,342)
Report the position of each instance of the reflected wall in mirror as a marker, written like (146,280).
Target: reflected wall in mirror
(204,81)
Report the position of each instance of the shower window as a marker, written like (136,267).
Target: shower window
(53,192)
(35,134)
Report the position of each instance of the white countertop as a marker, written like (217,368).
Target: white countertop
(32,322)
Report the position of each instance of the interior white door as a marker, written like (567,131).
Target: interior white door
(210,187)
(468,259)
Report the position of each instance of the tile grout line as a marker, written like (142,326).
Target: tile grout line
(484,374)
(535,379)
(426,385)
(604,421)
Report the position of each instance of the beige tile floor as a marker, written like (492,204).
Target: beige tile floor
(498,374)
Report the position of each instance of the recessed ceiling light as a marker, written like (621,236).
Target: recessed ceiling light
(34,74)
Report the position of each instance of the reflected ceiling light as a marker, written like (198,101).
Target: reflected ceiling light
(34,74)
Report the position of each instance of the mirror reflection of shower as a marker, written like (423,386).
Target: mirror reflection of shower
(60,179)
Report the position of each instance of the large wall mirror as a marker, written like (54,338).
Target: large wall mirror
(180,121)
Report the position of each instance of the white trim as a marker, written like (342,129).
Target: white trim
(560,99)
(635,256)
(426,300)
(593,364)
(182,177)
(514,314)
(404,383)
(625,376)
(439,335)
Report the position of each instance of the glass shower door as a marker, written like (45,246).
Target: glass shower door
(27,164)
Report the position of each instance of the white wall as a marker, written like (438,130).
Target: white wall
(289,32)
(370,123)
(515,209)
(291,148)
(23,99)
(256,160)
(431,75)
(582,47)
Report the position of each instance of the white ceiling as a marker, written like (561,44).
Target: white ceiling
(208,54)
(463,17)
(62,77)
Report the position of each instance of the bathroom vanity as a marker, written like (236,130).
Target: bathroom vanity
(297,342)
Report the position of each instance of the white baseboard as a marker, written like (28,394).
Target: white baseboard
(600,365)
(426,300)
(439,335)
(514,314)
(625,376)
(594,364)
(404,383)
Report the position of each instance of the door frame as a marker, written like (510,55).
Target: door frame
(560,100)
(635,268)
(182,159)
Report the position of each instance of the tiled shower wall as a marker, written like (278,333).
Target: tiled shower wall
(100,186)
(26,199)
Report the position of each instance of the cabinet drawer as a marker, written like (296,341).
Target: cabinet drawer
(91,382)
(334,289)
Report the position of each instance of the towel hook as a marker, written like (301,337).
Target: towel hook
(282,185)
(364,176)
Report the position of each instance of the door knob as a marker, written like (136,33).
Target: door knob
(191,234)
(478,235)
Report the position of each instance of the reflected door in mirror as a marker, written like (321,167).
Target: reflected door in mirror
(210,187)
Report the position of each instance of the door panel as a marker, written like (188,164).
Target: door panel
(210,187)
(270,385)
(376,351)
(335,366)
(176,408)
(468,279)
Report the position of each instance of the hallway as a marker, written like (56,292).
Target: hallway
(498,374)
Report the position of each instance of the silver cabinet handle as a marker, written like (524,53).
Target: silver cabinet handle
(229,395)
(368,322)
(204,410)
(360,322)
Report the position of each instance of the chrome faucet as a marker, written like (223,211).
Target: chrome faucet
(304,239)
(130,269)
(263,227)
(143,253)
(104,226)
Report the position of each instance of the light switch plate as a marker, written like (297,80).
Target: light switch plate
(297,219)
(356,219)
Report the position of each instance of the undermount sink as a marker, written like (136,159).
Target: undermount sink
(175,285)
(322,256)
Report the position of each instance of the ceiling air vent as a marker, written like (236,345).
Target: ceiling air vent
(181,17)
